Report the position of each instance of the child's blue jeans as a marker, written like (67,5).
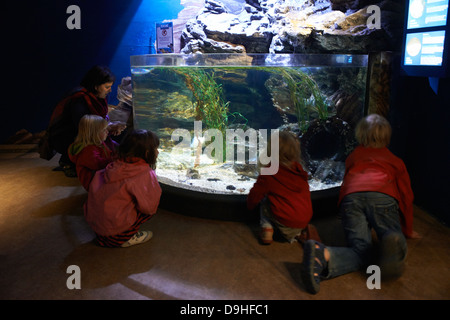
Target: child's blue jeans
(360,212)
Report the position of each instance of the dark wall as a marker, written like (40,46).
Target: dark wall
(421,137)
(44,59)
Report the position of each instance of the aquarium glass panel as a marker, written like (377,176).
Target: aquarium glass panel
(215,113)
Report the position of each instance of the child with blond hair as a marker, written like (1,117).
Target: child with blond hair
(284,198)
(375,193)
(89,151)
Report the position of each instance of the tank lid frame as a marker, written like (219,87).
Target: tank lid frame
(248,60)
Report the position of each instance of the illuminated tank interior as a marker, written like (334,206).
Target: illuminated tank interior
(183,98)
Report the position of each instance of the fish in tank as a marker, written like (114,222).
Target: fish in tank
(216,113)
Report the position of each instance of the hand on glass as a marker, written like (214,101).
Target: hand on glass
(115,128)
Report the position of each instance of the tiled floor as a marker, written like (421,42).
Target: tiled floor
(43,232)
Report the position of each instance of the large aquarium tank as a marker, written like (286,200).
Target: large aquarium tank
(215,115)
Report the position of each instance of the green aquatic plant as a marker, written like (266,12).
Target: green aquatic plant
(210,105)
(305,95)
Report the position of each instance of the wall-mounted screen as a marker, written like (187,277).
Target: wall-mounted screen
(425,48)
(426,38)
(427,13)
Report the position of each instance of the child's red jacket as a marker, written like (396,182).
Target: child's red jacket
(288,193)
(379,170)
(90,159)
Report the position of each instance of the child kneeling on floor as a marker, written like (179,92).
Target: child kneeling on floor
(375,193)
(284,198)
(126,193)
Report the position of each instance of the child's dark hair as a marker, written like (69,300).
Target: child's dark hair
(139,144)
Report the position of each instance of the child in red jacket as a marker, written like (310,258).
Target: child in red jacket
(126,193)
(375,193)
(284,198)
(89,151)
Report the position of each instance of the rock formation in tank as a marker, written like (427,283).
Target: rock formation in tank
(294,26)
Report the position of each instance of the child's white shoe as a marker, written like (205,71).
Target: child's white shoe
(139,237)
(266,235)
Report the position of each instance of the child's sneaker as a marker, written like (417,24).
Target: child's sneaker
(139,237)
(313,265)
(266,235)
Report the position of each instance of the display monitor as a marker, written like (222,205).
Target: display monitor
(425,48)
(427,13)
(426,38)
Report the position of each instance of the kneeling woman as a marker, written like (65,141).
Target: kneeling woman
(126,193)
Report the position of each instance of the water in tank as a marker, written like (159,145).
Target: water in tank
(215,113)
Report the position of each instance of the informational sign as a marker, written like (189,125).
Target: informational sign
(426,38)
(425,48)
(164,37)
(427,13)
